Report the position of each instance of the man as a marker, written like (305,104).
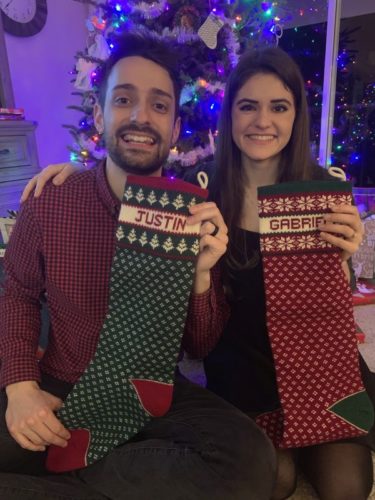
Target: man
(63,245)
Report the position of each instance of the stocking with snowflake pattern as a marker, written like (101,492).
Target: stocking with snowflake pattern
(309,319)
(130,379)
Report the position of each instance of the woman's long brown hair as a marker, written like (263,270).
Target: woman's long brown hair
(295,161)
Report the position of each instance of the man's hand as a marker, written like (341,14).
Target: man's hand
(213,241)
(30,417)
(343,228)
(58,172)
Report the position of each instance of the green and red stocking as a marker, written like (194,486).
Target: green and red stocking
(309,319)
(130,378)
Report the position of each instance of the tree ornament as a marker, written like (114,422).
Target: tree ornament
(98,22)
(148,10)
(209,30)
(99,48)
(83,79)
(277,30)
(187,18)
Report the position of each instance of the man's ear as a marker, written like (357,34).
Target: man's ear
(176,130)
(98,118)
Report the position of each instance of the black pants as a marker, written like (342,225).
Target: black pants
(202,449)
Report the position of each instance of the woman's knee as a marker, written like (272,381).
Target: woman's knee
(286,478)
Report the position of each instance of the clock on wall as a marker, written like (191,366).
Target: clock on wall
(23,17)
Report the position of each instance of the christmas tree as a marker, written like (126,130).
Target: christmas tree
(307,45)
(210,34)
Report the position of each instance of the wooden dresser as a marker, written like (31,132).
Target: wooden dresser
(18,151)
(18,161)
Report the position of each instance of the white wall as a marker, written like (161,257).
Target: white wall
(40,66)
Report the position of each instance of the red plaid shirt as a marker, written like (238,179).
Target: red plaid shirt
(63,245)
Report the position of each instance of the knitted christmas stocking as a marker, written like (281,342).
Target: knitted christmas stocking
(130,378)
(309,319)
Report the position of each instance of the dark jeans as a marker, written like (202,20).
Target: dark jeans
(202,449)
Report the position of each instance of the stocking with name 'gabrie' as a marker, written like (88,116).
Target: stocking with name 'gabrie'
(309,319)
(130,378)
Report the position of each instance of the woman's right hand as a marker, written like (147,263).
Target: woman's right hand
(58,172)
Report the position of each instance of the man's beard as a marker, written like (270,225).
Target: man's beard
(137,163)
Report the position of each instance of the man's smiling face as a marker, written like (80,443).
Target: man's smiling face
(138,116)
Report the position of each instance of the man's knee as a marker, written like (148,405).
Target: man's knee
(13,458)
(260,455)
(249,458)
(254,447)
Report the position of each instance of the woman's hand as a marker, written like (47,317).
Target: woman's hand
(213,241)
(343,228)
(58,172)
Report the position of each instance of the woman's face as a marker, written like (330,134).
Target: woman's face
(263,114)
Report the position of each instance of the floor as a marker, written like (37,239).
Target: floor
(365,317)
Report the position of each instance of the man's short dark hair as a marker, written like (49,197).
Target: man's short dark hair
(148,45)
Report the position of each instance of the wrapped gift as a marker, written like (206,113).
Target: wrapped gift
(364,259)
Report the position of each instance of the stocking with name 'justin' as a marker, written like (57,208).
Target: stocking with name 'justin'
(130,378)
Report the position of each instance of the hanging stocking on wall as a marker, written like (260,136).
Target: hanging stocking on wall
(309,319)
(130,378)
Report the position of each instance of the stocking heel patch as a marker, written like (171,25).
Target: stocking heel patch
(155,397)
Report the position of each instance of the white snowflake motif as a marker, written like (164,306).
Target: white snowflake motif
(326,200)
(338,199)
(178,202)
(154,243)
(182,247)
(306,241)
(306,203)
(120,233)
(286,243)
(267,244)
(164,200)
(140,196)
(128,193)
(323,244)
(192,203)
(264,206)
(143,239)
(195,247)
(283,204)
(343,199)
(151,198)
(132,236)
(168,245)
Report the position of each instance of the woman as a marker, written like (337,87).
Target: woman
(263,140)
